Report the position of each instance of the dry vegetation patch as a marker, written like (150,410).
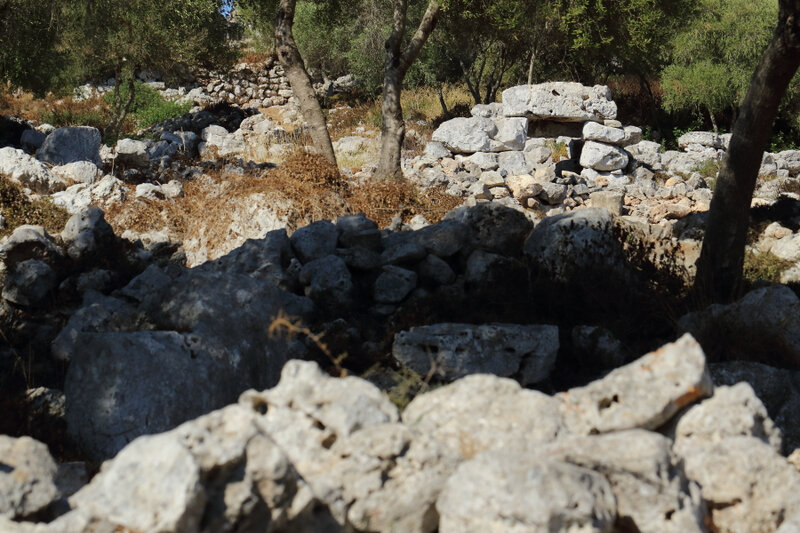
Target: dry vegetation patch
(18,209)
(381,201)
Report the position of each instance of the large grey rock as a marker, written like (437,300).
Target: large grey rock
(703,138)
(328,281)
(394,284)
(452,351)
(576,245)
(560,101)
(511,133)
(790,160)
(513,163)
(652,492)
(646,153)
(308,413)
(603,157)
(25,170)
(69,144)
(778,389)
(358,230)
(265,259)
(483,412)
(86,233)
(643,394)
(732,411)
(478,134)
(389,478)
(28,282)
(132,153)
(221,472)
(152,485)
(31,140)
(30,242)
(444,239)
(685,162)
(494,228)
(120,386)
(27,477)
(78,172)
(467,135)
(766,321)
(748,486)
(592,131)
(502,491)
(223,347)
(315,240)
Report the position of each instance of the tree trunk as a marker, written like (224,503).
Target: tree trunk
(295,70)
(719,270)
(393,128)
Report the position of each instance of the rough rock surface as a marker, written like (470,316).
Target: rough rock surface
(27,477)
(452,351)
(69,144)
(563,101)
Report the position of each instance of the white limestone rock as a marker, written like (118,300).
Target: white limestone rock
(560,101)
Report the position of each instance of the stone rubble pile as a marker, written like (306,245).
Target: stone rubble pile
(651,447)
(554,147)
(157,354)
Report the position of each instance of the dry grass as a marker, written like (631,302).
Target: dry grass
(381,201)
(57,111)
(306,182)
(17,210)
(254,57)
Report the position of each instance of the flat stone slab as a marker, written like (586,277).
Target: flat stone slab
(560,101)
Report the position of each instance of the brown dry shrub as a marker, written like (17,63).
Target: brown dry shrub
(381,201)
(307,182)
(18,209)
(254,57)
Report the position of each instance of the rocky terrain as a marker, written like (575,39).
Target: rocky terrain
(203,350)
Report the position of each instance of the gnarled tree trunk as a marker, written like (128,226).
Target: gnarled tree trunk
(398,60)
(719,270)
(295,70)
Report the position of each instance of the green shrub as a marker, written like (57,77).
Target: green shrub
(148,106)
(764,266)
(708,169)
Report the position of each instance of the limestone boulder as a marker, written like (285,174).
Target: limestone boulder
(132,153)
(652,492)
(506,491)
(25,170)
(603,157)
(560,101)
(69,144)
(27,477)
(643,394)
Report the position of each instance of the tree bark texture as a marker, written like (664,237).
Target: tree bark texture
(295,70)
(398,60)
(719,269)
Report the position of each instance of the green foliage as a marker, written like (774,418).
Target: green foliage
(715,54)
(708,169)
(60,117)
(148,106)
(29,55)
(764,267)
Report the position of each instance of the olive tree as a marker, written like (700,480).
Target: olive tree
(29,55)
(719,269)
(122,38)
(714,55)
